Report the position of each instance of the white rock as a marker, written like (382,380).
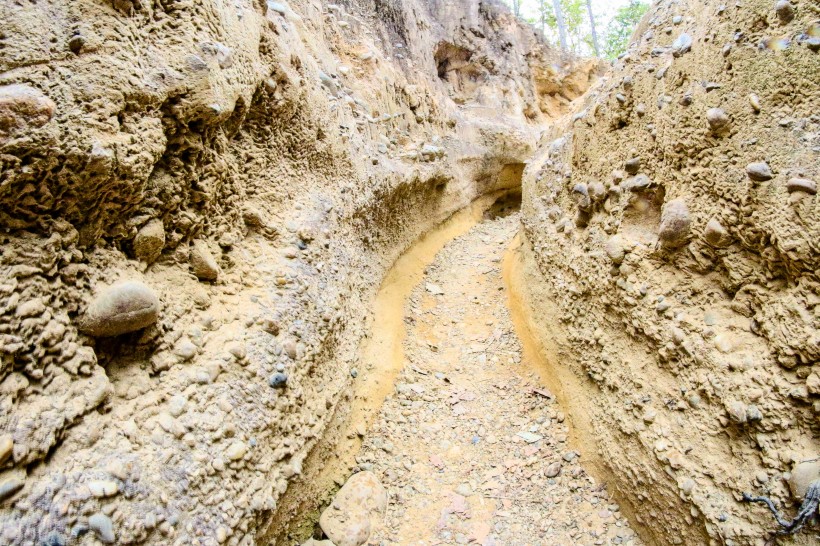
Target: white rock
(103,488)
(349,518)
(236,451)
(124,307)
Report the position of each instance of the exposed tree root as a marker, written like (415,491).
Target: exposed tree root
(806,513)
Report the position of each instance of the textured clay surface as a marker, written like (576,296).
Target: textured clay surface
(687,293)
(255,167)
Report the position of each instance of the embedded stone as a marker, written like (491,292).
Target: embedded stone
(614,248)
(802,475)
(6,447)
(687,486)
(717,118)
(675,222)
(759,171)
(222,53)
(103,488)
(801,184)
(203,263)
(632,165)
(553,470)
(597,191)
(581,195)
(103,527)
(715,234)
(10,486)
(785,11)
(754,100)
(236,451)
(637,183)
(23,108)
(736,411)
(278,380)
(124,307)
(277,7)
(682,45)
(149,241)
(349,518)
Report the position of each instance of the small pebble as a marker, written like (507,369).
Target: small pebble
(103,488)
(759,171)
(10,486)
(278,380)
(185,349)
(717,118)
(687,486)
(715,234)
(785,11)
(103,527)
(754,100)
(682,45)
(236,451)
(803,185)
(632,165)
(6,447)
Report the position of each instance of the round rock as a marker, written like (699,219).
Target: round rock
(736,411)
(124,307)
(278,380)
(358,504)
(23,108)
(785,11)
(802,476)
(717,118)
(615,249)
(597,191)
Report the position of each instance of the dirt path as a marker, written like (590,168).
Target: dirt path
(469,446)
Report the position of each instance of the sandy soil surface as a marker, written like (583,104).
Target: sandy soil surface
(470,446)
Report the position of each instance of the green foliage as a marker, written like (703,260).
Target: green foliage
(620,29)
(574,17)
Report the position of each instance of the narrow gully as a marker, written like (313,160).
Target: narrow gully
(455,294)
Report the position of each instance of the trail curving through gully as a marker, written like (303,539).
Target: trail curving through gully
(456,416)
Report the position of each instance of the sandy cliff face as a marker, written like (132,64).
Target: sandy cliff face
(221,185)
(672,228)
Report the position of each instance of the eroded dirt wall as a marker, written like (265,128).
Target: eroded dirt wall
(254,167)
(672,231)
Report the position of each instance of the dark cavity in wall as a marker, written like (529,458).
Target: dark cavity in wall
(505,205)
